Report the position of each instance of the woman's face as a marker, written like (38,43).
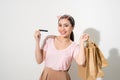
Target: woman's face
(64,27)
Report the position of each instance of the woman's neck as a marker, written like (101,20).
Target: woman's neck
(64,39)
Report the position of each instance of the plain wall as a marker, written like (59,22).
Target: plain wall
(20,18)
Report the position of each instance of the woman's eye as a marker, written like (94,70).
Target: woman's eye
(66,25)
(59,25)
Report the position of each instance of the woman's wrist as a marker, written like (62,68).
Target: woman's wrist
(81,43)
(37,42)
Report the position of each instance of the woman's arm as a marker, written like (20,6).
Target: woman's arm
(38,51)
(80,58)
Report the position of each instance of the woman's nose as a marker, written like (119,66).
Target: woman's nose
(62,28)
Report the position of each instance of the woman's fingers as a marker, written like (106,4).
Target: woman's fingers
(37,35)
(84,37)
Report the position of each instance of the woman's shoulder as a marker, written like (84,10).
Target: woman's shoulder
(75,44)
(49,37)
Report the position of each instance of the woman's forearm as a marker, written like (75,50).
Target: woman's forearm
(38,53)
(81,55)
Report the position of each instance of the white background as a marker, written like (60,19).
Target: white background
(20,18)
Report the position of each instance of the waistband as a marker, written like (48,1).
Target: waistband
(50,69)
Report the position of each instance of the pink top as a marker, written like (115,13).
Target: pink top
(59,59)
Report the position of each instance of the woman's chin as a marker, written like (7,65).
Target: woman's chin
(64,36)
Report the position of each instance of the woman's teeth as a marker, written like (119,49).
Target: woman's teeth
(63,32)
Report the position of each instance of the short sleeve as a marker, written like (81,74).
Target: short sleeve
(76,51)
(45,44)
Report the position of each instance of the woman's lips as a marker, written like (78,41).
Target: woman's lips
(63,33)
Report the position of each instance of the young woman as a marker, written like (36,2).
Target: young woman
(58,51)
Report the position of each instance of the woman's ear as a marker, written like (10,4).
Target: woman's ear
(72,28)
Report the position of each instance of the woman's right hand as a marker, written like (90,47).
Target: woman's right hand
(37,35)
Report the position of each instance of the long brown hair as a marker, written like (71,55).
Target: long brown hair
(72,21)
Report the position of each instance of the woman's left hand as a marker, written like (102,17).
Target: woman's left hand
(84,38)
